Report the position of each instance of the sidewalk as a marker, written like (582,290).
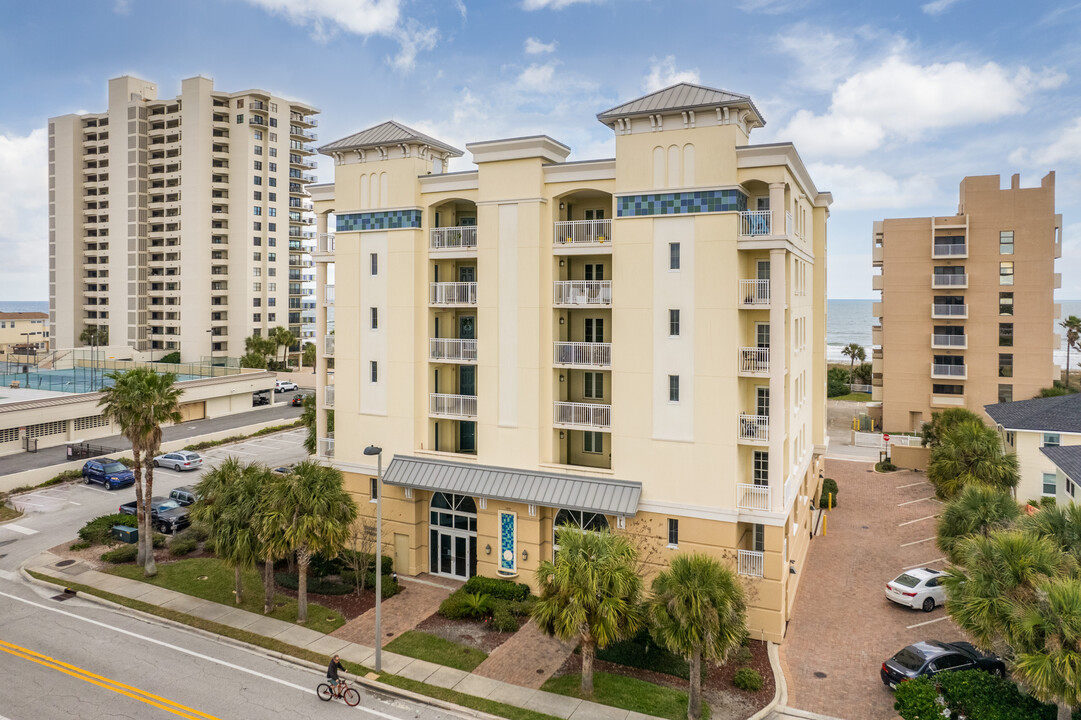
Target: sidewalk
(292,634)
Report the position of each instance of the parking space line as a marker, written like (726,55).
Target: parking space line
(929,517)
(929,497)
(20,529)
(74,503)
(921,482)
(924,564)
(917,542)
(928,622)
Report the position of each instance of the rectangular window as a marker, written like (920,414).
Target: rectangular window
(257,317)
(1005,242)
(374,371)
(594,271)
(272,182)
(272,272)
(593,442)
(673,256)
(256,302)
(258,195)
(759,538)
(594,385)
(239,119)
(258,135)
(272,257)
(257,256)
(272,226)
(272,212)
(673,323)
(374,263)
(594,330)
(273,152)
(272,287)
(1005,365)
(760,473)
(1051,439)
(1005,273)
(271,302)
(1011,438)
(272,242)
(375,318)
(257,287)
(947,389)
(373,489)
(1049,484)
(271,317)
(272,197)
(673,388)
(273,167)
(258,149)
(1005,303)
(257,210)
(258,164)
(1005,334)
(1005,393)
(673,532)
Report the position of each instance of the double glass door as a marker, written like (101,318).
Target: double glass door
(452,529)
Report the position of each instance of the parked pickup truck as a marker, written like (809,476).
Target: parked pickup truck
(165,515)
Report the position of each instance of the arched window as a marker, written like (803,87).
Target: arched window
(363,192)
(658,167)
(673,166)
(578,520)
(688,165)
(383,189)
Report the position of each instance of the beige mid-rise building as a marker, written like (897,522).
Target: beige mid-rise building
(179,223)
(967,310)
(23,335)
(635,343)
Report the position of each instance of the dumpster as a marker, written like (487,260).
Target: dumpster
(123,533)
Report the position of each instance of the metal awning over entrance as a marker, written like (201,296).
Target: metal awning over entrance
(572,492)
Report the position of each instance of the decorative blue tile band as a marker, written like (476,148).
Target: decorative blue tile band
(382,220)
(702,201)
(508,556)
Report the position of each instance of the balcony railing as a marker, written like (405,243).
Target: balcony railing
(949,341)
(453,238)
(328,295)
(328,345)
(942,250)
(326,447)
(583,354)
(328,396)
(452,350)
(754,361)
(582,415)
(452,293)
(459,406)
(753,497)
(583,232)
(939,280)
(939,370)
(754,427)
(751,562)
(582,292)
(949,311)
(755,222)
(753,293)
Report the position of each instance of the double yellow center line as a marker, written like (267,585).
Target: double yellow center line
(117,687)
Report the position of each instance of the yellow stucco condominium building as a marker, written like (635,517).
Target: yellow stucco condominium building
(23,335)
(635,342)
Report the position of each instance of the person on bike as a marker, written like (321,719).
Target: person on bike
(336,683)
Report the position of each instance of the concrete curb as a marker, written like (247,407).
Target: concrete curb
(780,686)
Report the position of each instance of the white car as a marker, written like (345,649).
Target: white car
(179,460)
(284,386)
(920,588)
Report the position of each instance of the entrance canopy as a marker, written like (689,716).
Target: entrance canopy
(572,492)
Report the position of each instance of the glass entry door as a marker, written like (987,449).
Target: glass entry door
(452,530)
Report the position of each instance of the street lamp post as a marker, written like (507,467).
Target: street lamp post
(26,351)
(378,452)
(211,331)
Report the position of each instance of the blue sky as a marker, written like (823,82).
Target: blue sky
(889,104)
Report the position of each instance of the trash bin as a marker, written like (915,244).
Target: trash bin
(126,534)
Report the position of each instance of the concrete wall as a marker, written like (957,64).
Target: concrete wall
(910,457)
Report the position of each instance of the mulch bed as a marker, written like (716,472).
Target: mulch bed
(726,701)
(471,633)
(350,605)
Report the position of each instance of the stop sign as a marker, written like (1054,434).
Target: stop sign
(885,437)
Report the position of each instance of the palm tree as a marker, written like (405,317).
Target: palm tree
(853,351)
(308,355)
(307,512)
(257,346)
(969,453)
(1049,630)
(94,336)
(698,611)
(590,593)
(1060,523)
(978,510)
(307,419)
(282,338)
(941,422)
(1072,326)
(139,402)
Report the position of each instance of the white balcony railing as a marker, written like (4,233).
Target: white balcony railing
(583,353)
(948,371)
(939,280)
(755,222)
(583,415)
(583,232)
(754,360)
(751,562)
(949,341)
(453,238)
(325,243)
(326,447)
(753,497)
(582,292)
(452,293)
(328,345)
(753,293)
(942,250)
(328,295)
(452,350)
(458,406)
(949,311)
(754,427)
(328,396)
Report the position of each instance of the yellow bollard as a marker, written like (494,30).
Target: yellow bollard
(831,501)
(825,518)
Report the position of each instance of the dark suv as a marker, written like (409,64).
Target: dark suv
(932,657)
(184,495)
(110,473)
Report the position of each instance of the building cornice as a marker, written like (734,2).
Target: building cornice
(773,154)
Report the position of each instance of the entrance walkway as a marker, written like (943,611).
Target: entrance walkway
(419,598)
(528,658)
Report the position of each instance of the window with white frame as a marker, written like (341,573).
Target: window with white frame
(673,388)
(374,366)
(594,385)
(374,488)
(374,318)
(578,520)
(374,260)
(673,532)
(593,442)
(1050,486)
(760,469)
(673,323)
(673,256)
(1051,439)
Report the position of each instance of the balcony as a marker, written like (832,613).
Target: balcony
(876,256)
(754,428)
(328,295)
(571,234)
(452,406)
(581,292)
(449,239)
(753,361)
(328,396)
(949,250)
(947,401)
(582,354)
(328,345)
(753,497)
(582,416)
(751,563)
(949,281)
(949,342)
(948,372)
(324,245)
(451,294)
(753,223)
(326,447)
(452,350)
(754,293)
(955,312)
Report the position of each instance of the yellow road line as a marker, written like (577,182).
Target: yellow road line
(104,682)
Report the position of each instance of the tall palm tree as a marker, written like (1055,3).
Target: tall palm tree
(970,453)
(307,512)
(853,351)
(1060,523)
(590,593)
(978,510)
(139,402)
(1072,326)
(307,419)
(697,611)
(1048,630)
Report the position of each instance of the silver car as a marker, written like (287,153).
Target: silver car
(179,460)
(919,588)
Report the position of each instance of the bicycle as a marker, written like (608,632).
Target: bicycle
(342,690)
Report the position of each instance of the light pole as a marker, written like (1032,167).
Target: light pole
(26,349)
(211,331)
(378,452)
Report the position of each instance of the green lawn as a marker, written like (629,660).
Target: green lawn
(7,513)
(183,575)
(854,397)
(424,646)
(627,693)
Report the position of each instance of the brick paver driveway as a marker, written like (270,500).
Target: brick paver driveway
(843,626)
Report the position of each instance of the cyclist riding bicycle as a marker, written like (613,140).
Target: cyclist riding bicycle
(336,683)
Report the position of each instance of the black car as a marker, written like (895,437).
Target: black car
(110,473)
(260,398)
(166,515)
(298,401)
(932,656)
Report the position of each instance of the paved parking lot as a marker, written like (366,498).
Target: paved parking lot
(843,627)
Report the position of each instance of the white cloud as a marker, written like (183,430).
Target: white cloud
(770,7)
(823,56)
(122,7)
(1066,147)
(937,7)
(533,46)
(663,73)
(861,188)
(553,4)
(24,215)
(459,5)
(413,39)
(537,78)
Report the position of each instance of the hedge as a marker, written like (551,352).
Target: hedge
(321,586)
(748,679)
(497,588)
(322,566)
(972,693)
(122,554)
(98,530)
(829,485)
(644,653)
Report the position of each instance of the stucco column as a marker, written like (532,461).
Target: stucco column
(320,333)
(778,360)
(777,208)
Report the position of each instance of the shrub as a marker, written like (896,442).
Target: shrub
(208,546)
(521,608)
(478,605)
(173,357)
(182,546)
(503,620)
(157,540)
(122,554)
(81,545)
(454,607)
(462,605)
(497,588)
(643,652)
(829,485)
(915,700)
(748,679)
(316,586)
(885,466)
(97,531)
(968,693)
(197,532)
(744,655)
(322,566)
(836,381)
(390,587)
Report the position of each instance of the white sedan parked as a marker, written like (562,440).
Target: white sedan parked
(179,460)
(919,588)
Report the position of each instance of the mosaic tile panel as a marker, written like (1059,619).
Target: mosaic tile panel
(508,554)
(381,220)
(702,201)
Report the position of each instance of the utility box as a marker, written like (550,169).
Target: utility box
(126,534)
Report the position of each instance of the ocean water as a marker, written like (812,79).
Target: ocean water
(850,321)
(24,306)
